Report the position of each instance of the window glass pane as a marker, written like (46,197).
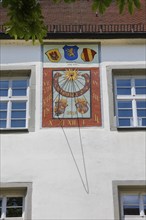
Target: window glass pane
(14,207)
(19,92)
(131,199)
(18,114)
(124,104)
(3,114)
(18,105)
(140,82)
(3,105)
(124,113)
(14,201)
(144,122)
(19,84)
(14,212)
(4,84)
(19,87)
(144,199)
(124,122)
(131,210)
(141,104)
(18,123)
(140,91)
(3,92)
(131,204)
(124,91)
(141,112)
(123,82)
(2,123)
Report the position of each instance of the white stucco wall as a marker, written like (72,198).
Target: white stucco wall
(12,53)
(43,157)
(125,50)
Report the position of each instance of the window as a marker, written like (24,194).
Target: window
(14,93)
(12,206)
(17,98)
(130,101)
(15,201)
(133,204)
(129,198)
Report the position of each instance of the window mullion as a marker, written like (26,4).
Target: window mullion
(27,107)
(27,114)
(10,89)
(134,103)
(135,121)
(133,87)
(124,97)
(141,206)
(4,202)
(9,114)
(9,105)
(122,210)
(23,208)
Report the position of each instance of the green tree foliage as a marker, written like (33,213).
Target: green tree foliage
(26,20)
(102,5)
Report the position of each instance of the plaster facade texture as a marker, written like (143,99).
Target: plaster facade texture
(43,157)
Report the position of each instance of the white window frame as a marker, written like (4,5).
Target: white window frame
(133,97)
(9,99)
(126,187)
(26,71)
(17,189)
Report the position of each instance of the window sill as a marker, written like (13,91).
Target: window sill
(12,218)
(134,217)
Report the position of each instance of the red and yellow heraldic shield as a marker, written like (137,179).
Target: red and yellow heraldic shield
(88,54)
(53,55)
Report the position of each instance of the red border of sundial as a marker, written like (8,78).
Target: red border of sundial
(48,121)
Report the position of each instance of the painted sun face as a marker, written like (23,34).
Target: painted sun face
(71,75)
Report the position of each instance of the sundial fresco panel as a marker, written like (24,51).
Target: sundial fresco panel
(71,97)
(71,94)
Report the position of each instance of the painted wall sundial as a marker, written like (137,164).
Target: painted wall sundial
(71,94)
(71,97)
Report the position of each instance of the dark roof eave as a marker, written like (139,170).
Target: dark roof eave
(60,35)
(95,35)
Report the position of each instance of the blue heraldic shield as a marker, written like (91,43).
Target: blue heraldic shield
(70,52)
